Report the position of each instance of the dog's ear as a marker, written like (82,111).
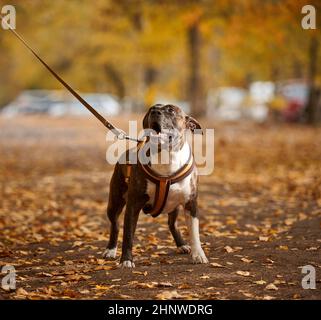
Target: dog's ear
(192,124)
(145,120)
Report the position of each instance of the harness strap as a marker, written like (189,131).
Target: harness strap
(162,189)
(163,184)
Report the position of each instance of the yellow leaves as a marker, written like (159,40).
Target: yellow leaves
(228,249)
(84,292)
(290,221)
(152,239)
(271,286)
(151,285)
(45,274)
(54,263)
(140,273)
(125,297)
(21,293)
(246,260)
(168,295)
(77,277)
(165,284)
(231,221)
(143,285)
(184,286)
(68,293)
(102,287)
(241,226)
(77,244)
(216,265)
(243,273)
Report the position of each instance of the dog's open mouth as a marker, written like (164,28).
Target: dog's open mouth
(156,127)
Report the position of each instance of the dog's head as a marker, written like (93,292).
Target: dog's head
(171,121)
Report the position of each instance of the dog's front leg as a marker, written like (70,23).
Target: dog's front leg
(191,216)
(130,221)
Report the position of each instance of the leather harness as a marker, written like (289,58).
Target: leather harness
(162,182)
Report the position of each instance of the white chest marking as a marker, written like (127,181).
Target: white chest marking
(179,192)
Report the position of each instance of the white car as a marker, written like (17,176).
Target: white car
(105,104)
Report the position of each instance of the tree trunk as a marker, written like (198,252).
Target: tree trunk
(116,79)
(312,103)
(196,97)
(150,77)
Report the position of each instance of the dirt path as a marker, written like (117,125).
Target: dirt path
(260,217)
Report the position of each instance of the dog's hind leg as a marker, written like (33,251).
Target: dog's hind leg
(182,247)
(116,204)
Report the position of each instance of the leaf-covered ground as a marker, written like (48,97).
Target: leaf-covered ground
(260,216)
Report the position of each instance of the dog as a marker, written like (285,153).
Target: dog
(179,192)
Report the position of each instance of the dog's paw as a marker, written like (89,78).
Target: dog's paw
(199,257)
(184,249)
(127,264)
(110,253)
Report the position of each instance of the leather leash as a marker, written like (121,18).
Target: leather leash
(120,134)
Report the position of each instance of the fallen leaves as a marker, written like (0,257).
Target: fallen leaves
(228,249)
(54,229)
(100,287)
(151,285)
(165,284)
(259,282)
(216,265)
(243,273)
(21,293)
(140,273)
(271,286)
(168,295)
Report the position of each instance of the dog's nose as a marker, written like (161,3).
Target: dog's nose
(155,112)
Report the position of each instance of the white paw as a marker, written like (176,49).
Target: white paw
(184,249)
(127,264)
(199,257)
(110,253)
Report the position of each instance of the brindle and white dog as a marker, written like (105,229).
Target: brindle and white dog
(140,192)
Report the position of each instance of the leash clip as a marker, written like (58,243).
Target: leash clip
(121,135)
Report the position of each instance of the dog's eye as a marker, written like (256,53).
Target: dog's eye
(171,111)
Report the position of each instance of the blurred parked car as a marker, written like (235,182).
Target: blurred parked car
(261,94)
(105,104)
(31,102)
(57,103)
(226,103)
(295,93)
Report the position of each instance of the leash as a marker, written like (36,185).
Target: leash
(120,134)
